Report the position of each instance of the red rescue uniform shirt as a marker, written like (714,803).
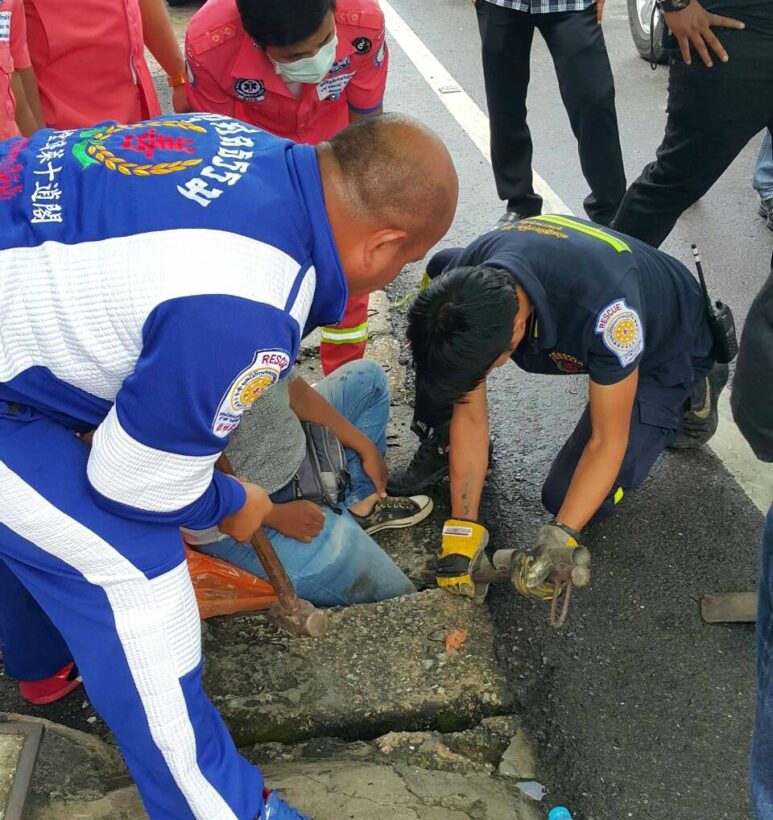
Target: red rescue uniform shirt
(89,58)
(229,74)
(13,56)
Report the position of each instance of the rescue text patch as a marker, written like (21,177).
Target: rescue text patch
(265,369)
(621,331)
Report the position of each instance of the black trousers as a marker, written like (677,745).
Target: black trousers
(576,44)
(712,115)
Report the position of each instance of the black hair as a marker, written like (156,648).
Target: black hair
(458,327)
(283,22)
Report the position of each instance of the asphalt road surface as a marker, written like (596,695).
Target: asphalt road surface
(640,710)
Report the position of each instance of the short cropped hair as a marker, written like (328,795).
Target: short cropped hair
(387,183)
(283,22)
(458,327)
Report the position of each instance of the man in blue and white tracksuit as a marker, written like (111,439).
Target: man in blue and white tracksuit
(156,278)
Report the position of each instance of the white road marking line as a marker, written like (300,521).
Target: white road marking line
(756,478)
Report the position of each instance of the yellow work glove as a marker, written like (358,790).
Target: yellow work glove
(558,553)
(464,550)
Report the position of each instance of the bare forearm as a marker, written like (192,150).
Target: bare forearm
(24,117)
(30,84)
(468,460)
(309,405)
(593,478)
(159,36)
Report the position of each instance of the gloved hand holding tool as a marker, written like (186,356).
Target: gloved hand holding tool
(463,553)
(556,564)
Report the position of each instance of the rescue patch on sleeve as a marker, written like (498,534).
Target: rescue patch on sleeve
(264,370)
(621,331)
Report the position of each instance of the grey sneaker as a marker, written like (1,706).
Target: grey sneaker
(393,513)
(700,421)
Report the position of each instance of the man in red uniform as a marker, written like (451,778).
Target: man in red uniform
(301,70)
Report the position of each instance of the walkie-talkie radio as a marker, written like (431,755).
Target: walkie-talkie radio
(721,320)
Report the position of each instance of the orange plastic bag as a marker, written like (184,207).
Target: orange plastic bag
(223,589)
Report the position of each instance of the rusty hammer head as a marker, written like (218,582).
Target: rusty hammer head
(299,617)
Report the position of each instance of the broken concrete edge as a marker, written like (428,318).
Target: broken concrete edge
(400,776)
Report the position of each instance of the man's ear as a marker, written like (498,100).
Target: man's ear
(519,329)
(381,245)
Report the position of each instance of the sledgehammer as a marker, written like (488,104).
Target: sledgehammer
(291,613)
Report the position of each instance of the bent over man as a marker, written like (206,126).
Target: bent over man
(301,70)
(157,278)
(558,296)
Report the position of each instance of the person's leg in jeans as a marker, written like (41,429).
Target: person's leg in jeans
(712,115)
(763,177)
(576,43)
(506,37)
(762,742)
(343,564)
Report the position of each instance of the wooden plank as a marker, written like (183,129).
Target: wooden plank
(729,607)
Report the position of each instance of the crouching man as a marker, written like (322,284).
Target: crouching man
(559,296)
(157,278)
(326,548)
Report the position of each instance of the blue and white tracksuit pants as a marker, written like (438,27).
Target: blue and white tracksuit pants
(119,593)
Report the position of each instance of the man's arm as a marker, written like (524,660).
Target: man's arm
(161,42)
(153,456)
(309,405)
(468,453)
(24,117)
(610,411)
(30,85)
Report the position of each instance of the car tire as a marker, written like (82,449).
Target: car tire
(648,44)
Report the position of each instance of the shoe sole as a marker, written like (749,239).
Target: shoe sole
(418,489)
(55,696)
(403,522)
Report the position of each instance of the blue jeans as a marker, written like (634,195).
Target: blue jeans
(343,564)
(763,168)
(762,744)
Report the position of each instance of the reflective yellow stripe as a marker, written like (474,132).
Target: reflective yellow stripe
(345,335)
(597,233)
(425,280)
(619,495)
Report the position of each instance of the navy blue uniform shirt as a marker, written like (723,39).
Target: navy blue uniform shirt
(604,303)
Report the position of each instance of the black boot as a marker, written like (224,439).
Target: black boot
(428,465)
(700,420)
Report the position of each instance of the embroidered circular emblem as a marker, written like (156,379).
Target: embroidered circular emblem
(621,331)
(362,44)
(145,149)
(250,90)
(251,387)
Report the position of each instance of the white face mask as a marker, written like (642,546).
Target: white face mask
(309,69)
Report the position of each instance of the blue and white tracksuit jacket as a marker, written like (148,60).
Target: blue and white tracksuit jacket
(154,280)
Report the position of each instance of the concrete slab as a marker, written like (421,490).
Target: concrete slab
(381,668)
(10,752)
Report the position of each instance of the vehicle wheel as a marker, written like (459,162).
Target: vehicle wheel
(642,23)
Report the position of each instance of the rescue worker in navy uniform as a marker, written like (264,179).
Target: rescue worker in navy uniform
(559,296)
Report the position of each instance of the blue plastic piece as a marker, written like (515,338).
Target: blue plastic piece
(559,813)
